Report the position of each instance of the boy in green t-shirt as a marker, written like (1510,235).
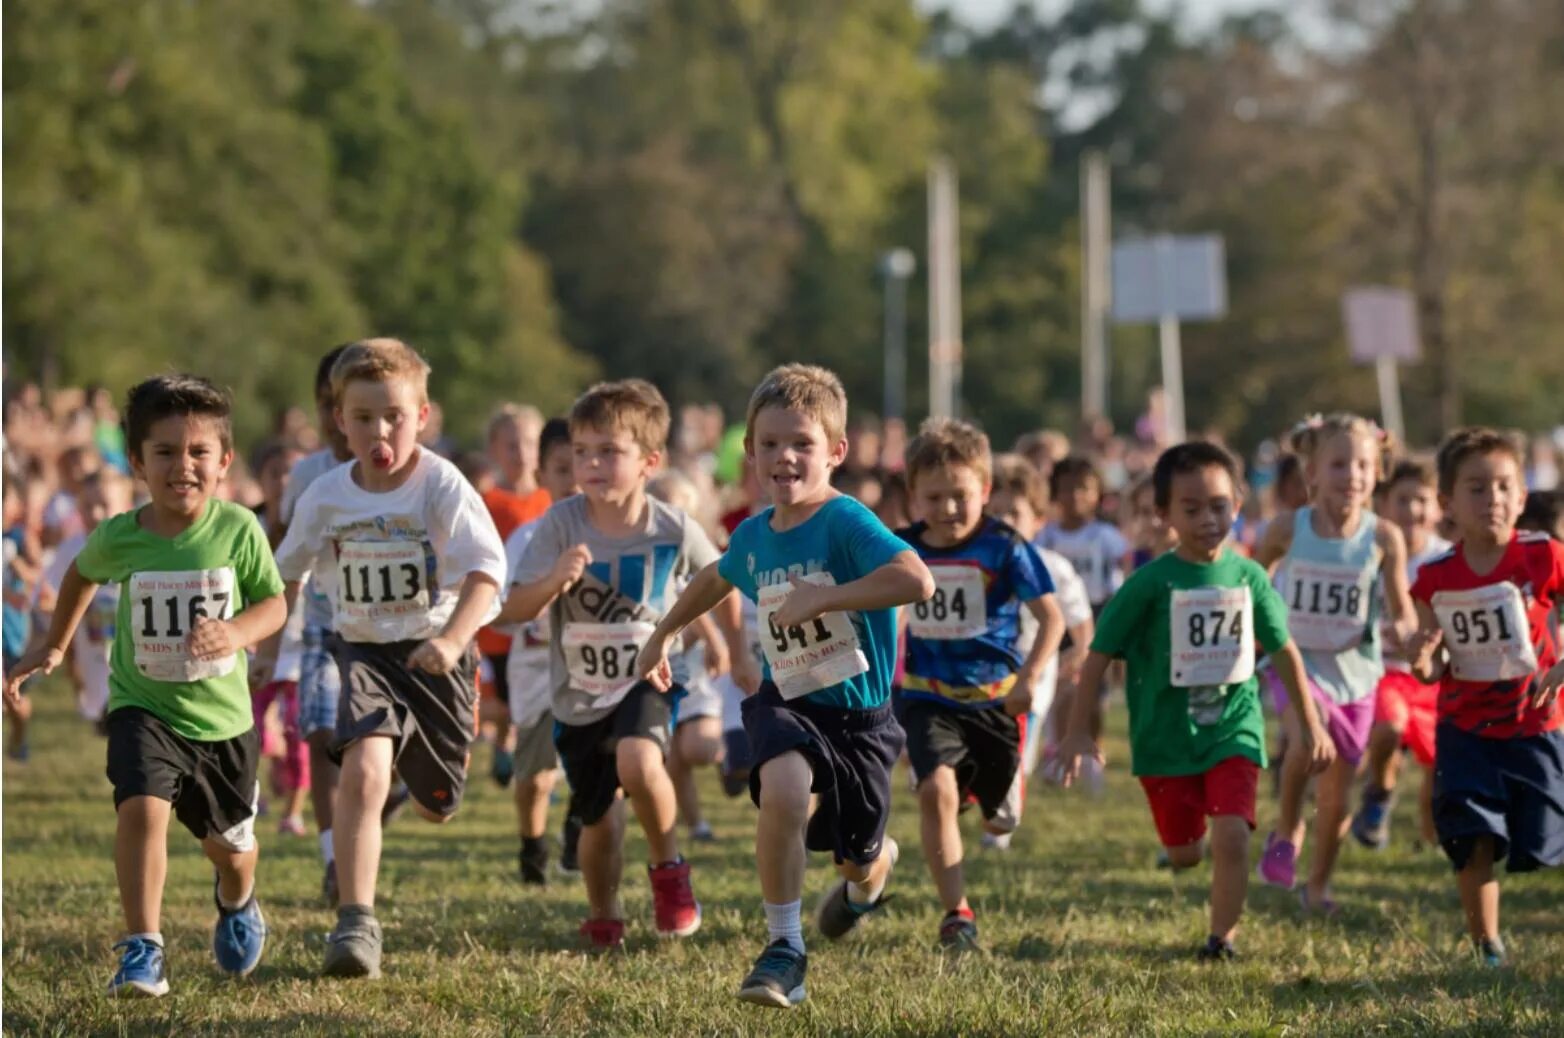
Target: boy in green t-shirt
(1186,625)
(197,588)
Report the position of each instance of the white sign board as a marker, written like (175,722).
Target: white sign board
(1178,276)
(1381,324)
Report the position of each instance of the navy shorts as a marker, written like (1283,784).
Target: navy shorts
(851,753)
(589,752)
(1509,789)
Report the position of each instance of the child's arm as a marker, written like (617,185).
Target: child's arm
(703,594)
(441,654)
(1317,743)
(1398,600)
(1050,632)
(1071,662)
(1422,649)
(1078,742)
(706,632)
(526,602)
(260,621)
(901,581)
(1276,542)
(70,606)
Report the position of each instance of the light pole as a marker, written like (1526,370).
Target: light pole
(896,267)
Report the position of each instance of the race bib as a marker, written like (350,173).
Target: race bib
(601,658)
(382,590)
(1327,605)
(957,609)
(166,605)
(1212,636)
(808,657)
(1486,633)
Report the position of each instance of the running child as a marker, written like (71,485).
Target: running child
(968,686)
(605,564)
(1332,559)
(197,589)
(412,563)
(1096,548)
(1486,634)
(826,577)
(1186,625)
(1149,536)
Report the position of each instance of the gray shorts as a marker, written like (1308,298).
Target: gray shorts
(535,753)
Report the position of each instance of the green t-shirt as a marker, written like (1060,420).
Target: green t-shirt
(1187,633)
(219,566)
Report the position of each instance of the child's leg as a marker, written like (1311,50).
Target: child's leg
(17,715)
(362,787)
(1295,782)
(1229,872)
(1330,823)
(695,742)
(141,860)
(1384,756)
(1425,808)
(644,778)
(1480,891)
(235,870)
(532,793)
(323,781)
(601,856)
(938,803)
(779,833)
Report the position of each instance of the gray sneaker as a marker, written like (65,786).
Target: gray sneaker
(353,948)
(838,915)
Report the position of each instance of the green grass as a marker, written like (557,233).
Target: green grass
(1083,936)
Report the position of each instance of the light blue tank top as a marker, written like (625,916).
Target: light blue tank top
(1331,587)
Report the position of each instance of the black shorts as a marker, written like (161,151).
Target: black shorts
(429,717)
(1511,790)
(983,748)
(499,680)
(588,751)
(211,784)
(851,753)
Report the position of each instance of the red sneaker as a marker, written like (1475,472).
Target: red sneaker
(604,934)
(673,900)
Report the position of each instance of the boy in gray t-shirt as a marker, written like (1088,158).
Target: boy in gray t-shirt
(605,564)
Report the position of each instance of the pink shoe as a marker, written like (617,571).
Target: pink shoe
(291,825)
(1325,906)
(1278,863)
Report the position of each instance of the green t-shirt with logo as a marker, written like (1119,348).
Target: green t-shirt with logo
(218,567)
(1187,634)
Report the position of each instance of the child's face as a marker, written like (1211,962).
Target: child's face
(1015,510)
(950,500)
(99,500)
(609,465)
(1078,498)
(513,448)
(1343,469)
(1413,507)
(557,473)
(273,477)
(182,460)
(382,420)
(1487,497)
(793,457)
(326,418)
(1201,508)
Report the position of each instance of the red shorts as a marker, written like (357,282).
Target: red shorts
(1411,707)
(1180,803)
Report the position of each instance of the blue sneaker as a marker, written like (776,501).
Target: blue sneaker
(239,938)
(1371,825)
(142,972)
(1491,951)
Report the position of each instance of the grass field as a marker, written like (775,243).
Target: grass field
(1083,935)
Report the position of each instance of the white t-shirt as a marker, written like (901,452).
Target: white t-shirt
(1096,551)
(95,636)
(527,667)
(316,600)
(393,562)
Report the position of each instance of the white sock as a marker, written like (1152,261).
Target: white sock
(156,937)
(786,923)
(328,852)
(234,906)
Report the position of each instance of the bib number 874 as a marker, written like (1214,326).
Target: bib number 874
(1202,633)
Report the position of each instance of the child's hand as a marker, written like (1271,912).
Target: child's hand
(717,662)
(569,566)
(212,639)
(1418,650)
(438,655)
(42,660)
(652,664)
(804,603)
(1072,751)
(746,673)
(1019,699)
(1547,687)
(1319,746)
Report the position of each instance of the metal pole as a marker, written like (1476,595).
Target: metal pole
(944,291)
(1389,377)
(1095,282)
(1173,377)
(896,266)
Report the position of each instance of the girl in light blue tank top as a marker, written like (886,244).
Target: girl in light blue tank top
(1331,558)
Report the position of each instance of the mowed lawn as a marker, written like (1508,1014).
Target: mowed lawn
(1082,934)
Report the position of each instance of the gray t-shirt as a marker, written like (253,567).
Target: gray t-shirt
(597,627)
(317,601)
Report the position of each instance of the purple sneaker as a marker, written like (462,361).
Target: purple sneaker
(1279,863)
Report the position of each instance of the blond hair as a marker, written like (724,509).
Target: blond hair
(1015,474)
(521,414)
(1308,436)
(380,360)
(809,389)
(631,405)
(946,443)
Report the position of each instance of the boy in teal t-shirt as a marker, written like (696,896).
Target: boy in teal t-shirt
(1186,626)
(197,588)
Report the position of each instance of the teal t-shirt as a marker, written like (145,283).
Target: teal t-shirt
(1187,634)
(218,567)
(841,542)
